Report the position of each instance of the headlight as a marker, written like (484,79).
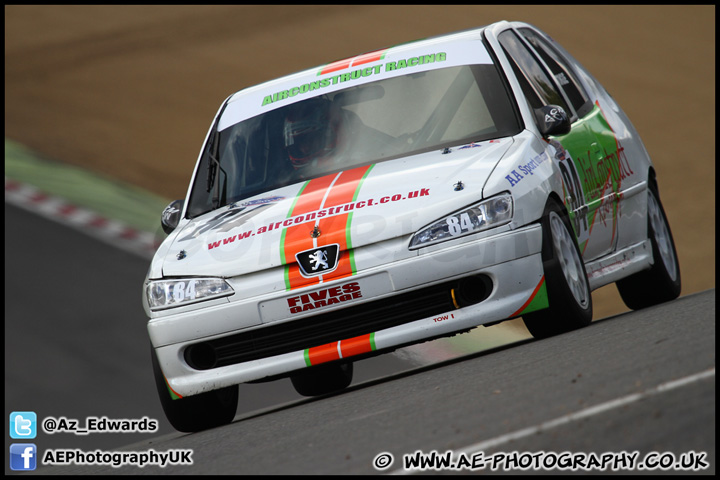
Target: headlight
(163,294)
(487,214)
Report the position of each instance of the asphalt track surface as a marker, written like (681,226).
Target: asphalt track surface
(92,360)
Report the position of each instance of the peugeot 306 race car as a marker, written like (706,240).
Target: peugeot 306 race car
(395,197)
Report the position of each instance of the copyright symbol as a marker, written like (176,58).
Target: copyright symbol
(49,425)
(383,461)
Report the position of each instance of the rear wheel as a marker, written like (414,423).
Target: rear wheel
(661,283)
(197,412)
(323,379)
(565,277)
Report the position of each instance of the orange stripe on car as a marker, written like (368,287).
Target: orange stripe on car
(353,61)
(323,193)
(357,345)
(334,229)
(369,57)
(322,354)
(297,237)
(335,66)
(342,349)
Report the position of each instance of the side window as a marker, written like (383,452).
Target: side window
(537,85)
(564,75)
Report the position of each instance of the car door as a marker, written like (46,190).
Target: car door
(580,154)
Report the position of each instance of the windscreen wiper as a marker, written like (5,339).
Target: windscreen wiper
(213,183)
(214,163)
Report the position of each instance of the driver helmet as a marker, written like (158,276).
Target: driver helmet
(309,132)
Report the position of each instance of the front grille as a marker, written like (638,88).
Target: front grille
(276,339)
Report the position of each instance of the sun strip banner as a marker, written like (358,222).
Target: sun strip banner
(400,60)
(316,194)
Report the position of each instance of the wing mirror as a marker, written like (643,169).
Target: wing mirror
(171,216)
(552,120)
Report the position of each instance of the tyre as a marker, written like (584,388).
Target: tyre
(566,280)
(661,283)
(197,412)
(323,379)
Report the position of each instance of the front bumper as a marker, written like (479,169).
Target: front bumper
(510,260)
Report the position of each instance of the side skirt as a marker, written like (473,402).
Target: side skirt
(619,265)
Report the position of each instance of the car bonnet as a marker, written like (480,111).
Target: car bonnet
(352,209)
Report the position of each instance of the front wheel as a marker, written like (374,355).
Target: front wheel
(661,283)
(197,412)
(565,277)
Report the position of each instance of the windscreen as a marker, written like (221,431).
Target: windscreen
(370,123)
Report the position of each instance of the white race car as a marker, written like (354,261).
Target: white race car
(394,197)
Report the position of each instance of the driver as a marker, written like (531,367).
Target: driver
(310,133)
